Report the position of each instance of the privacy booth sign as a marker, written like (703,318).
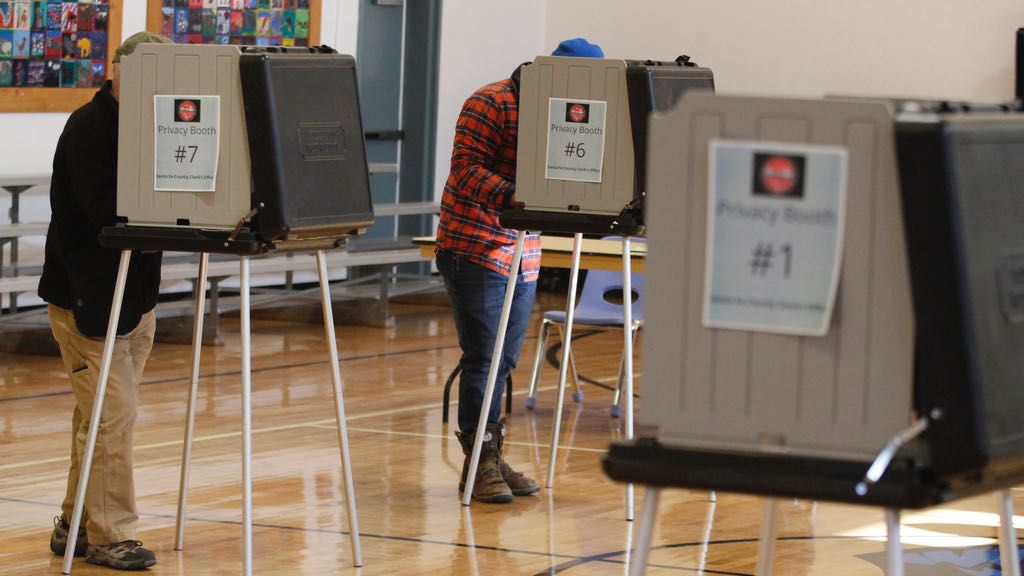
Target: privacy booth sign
(187,142)
(775,236)
(575,139)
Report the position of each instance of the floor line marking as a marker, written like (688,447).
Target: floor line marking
(295,425)
(443,437)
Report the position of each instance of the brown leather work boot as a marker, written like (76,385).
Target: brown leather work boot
(520,484)
(488,485)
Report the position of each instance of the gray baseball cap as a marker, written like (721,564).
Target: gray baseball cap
(144,37)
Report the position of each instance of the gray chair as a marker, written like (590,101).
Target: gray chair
(593,311)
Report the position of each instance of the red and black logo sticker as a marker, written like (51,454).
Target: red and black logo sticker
(779,175)
(577,113)
(186,110)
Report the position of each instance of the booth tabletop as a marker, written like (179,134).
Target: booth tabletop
(556,252)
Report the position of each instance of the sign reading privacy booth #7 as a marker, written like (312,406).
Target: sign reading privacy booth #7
(575,139)
(776,214)
(187,142)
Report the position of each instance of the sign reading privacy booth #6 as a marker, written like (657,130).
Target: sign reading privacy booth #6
(187,145)
(776,214)
(575,139)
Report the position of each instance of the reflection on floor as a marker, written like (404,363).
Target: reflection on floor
(406,465)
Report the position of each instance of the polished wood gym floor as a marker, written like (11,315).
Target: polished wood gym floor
(406,465)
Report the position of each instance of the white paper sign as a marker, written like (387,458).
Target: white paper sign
(776,214)
(575,139)
(187,145)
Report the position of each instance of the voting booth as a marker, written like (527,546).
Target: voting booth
(582,139)
(840,286)
(237,150)
(778,266)
(786,240)
(580,151)
(961,174)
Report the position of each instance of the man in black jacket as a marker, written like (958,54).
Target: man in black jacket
(78,283)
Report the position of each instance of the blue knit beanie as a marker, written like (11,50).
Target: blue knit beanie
(579,48)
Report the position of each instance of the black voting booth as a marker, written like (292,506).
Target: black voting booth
(962,181)
(960,172)
(282,167)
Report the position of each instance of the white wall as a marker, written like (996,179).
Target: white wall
(339,25)
(954,49)
(476,50)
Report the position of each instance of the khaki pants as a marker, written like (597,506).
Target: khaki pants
(109,513)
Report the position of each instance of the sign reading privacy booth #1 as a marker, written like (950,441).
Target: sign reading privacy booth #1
(187,143)
(575,139)
(776,214)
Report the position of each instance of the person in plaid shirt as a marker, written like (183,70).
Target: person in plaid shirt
(474,256)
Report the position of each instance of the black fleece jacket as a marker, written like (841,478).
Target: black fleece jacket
(79,274)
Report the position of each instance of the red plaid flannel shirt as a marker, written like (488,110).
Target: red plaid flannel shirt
(482,182)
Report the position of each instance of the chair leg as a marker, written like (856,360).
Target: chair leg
(538,359)
(616,409)
(577,396)
(448,391)
(508,395)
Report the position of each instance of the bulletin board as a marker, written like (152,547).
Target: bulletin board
(246,22)
(55,54)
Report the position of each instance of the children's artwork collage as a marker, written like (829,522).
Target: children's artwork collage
(46,43)
(247,22)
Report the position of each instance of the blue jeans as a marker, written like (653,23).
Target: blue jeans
(477,294)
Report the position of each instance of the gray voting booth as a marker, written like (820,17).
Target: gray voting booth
(840,395)
(895,383)
(582,135)
(238,150)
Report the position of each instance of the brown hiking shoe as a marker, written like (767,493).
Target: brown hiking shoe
(126,555)
(520,484)
(488,485)
(59,537)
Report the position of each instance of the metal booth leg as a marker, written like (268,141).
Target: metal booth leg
(1009,554)
(766,544)
(893,546)
(627,347)
(492,374)
(467,521)
(246,418)
(646,532)
(339,407)
(709,522)
(627,560)
(190,418)
(97,409)
(570,309)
